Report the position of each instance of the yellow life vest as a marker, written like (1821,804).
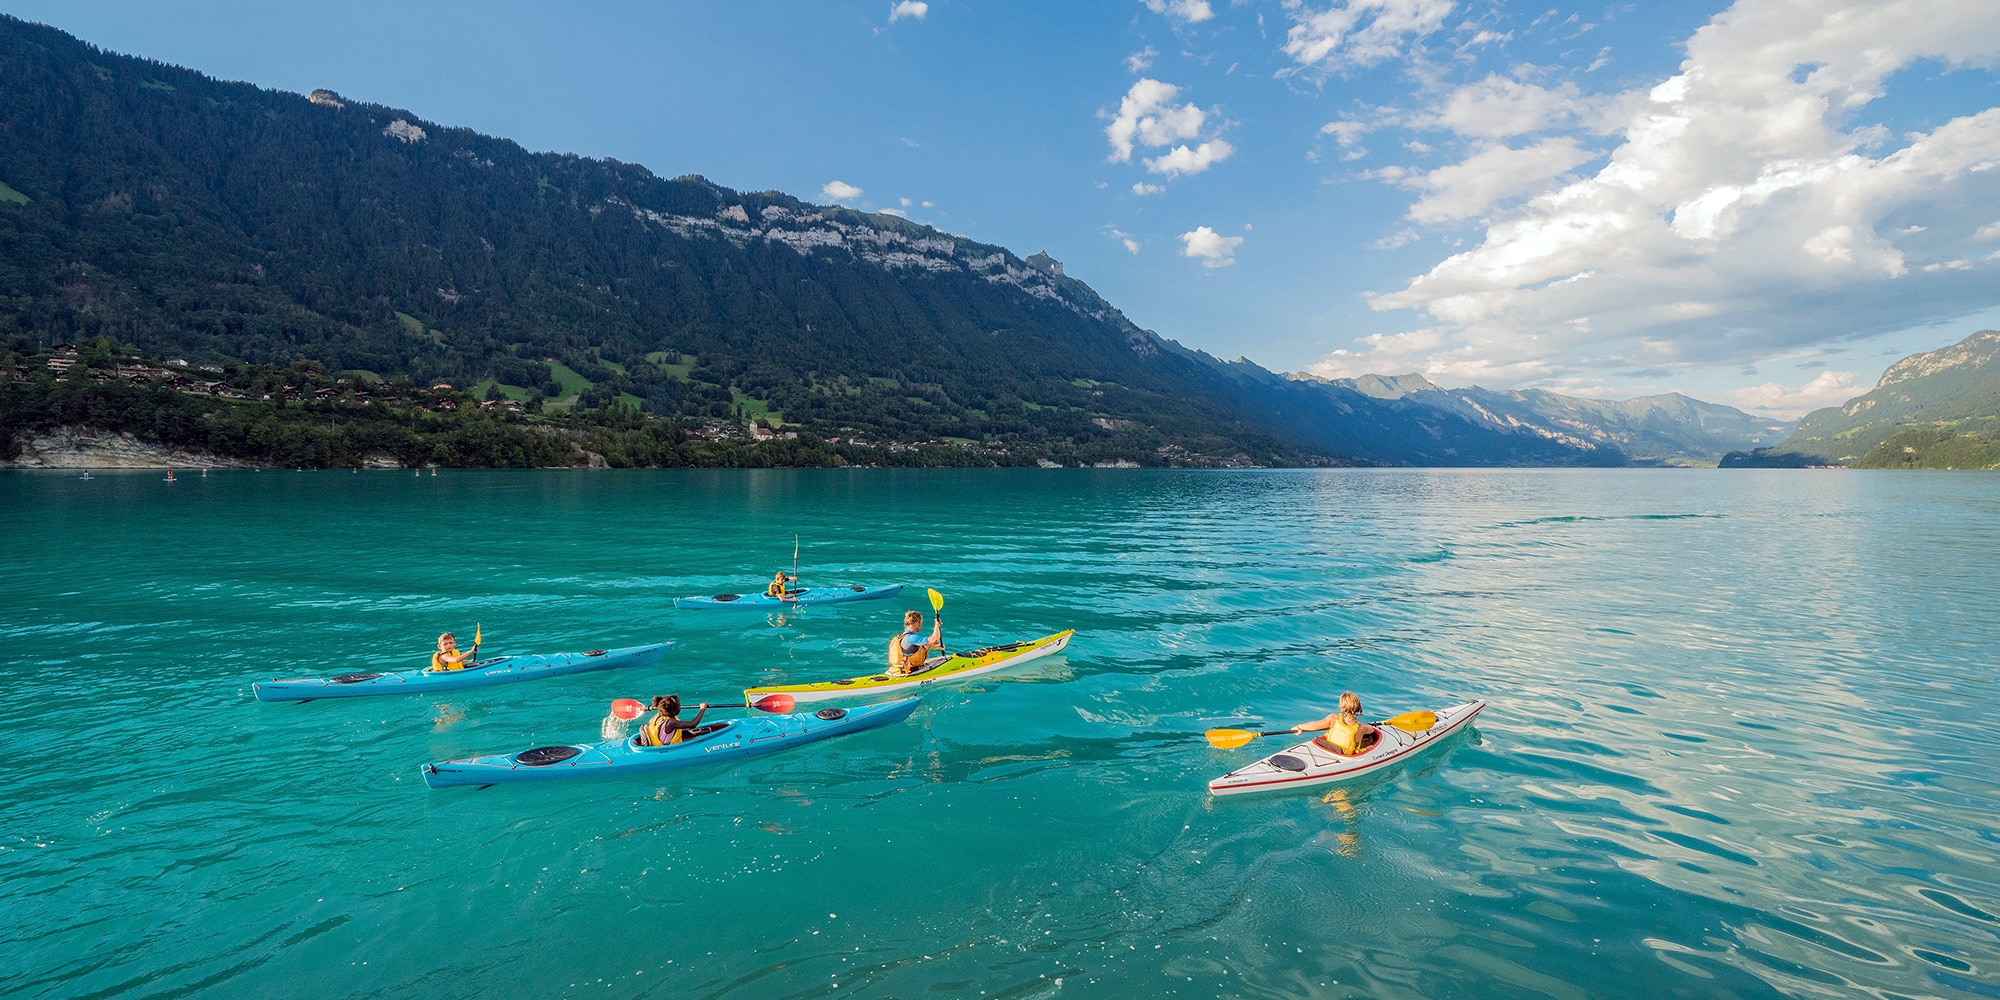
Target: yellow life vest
(650,733)
(1344,737)
(437,662)
(776,589)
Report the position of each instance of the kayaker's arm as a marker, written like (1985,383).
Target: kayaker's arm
(697,715)
(1317,725)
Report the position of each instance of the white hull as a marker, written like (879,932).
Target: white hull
(1310,763)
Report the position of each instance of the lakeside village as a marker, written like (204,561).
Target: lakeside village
(357,389)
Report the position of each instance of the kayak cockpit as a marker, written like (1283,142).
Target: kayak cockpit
(694,736)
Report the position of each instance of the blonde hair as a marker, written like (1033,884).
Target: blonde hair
(442,636)
(913,616)
(1350,707)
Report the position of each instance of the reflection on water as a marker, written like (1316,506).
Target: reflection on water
(1684,785)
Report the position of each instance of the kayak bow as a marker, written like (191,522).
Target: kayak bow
(955,667)
(502,670)
(1314,763)
(734,740)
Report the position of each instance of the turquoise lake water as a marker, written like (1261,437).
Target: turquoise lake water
(1740,741)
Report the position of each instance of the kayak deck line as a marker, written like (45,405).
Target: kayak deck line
(1310,763)
(733,740)
(499,670)
(954,667)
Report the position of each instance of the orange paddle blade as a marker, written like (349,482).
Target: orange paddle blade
(1229,739)
(1414,722)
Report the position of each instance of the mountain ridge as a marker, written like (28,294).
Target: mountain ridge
(1947,398)
(215,221)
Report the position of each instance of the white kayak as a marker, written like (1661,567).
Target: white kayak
(1315,763)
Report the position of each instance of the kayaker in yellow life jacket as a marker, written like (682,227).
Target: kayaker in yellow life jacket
(907,653)
(448,657)
(779,588)
(665,728)
(1345,732)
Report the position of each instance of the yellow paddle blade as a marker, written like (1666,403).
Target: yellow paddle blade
(1413,722)
(937,601)
(1230,739)
(476,633)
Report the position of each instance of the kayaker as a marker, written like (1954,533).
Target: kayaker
(907,652)
(448,657)
(779,587)
(1345,732)
(665,728)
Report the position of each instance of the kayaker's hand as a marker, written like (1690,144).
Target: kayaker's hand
(703,706)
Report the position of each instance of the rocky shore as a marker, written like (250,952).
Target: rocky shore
(91,448)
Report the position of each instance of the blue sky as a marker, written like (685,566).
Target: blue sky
(1762,203)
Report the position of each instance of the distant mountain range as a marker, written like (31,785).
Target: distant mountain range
(212,221)
(1939,409)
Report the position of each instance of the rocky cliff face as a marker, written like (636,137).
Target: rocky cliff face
(92,448)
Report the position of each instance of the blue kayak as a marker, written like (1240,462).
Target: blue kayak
(803,597)
(732,740)
(500,670)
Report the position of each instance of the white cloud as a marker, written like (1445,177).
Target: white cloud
(1182,160)
(908,8)
(1986,232)
(1496,107)
(1142,60)
(1142,189)
(1827,389)
(905,202)
(1359,32)
(1394,240)
(1742,211)
(1147,116)
(1209,247)
(897,212)
(1131,245)
(1187,11)
(1491,175)
(839,191)
(1346,132)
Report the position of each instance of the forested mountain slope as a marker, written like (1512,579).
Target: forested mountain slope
(212,220)
(336,246)
(1937,409)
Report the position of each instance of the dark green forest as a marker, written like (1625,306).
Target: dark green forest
(223,224)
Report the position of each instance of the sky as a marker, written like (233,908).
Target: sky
(1762,203)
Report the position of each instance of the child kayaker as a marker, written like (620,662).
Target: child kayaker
(665,728)
(1345,732)
(448,657)
(779,588)
(907,652)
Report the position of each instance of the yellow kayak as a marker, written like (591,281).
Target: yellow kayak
(955,667)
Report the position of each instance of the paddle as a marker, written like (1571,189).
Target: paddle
(768,703)
(1230,739)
